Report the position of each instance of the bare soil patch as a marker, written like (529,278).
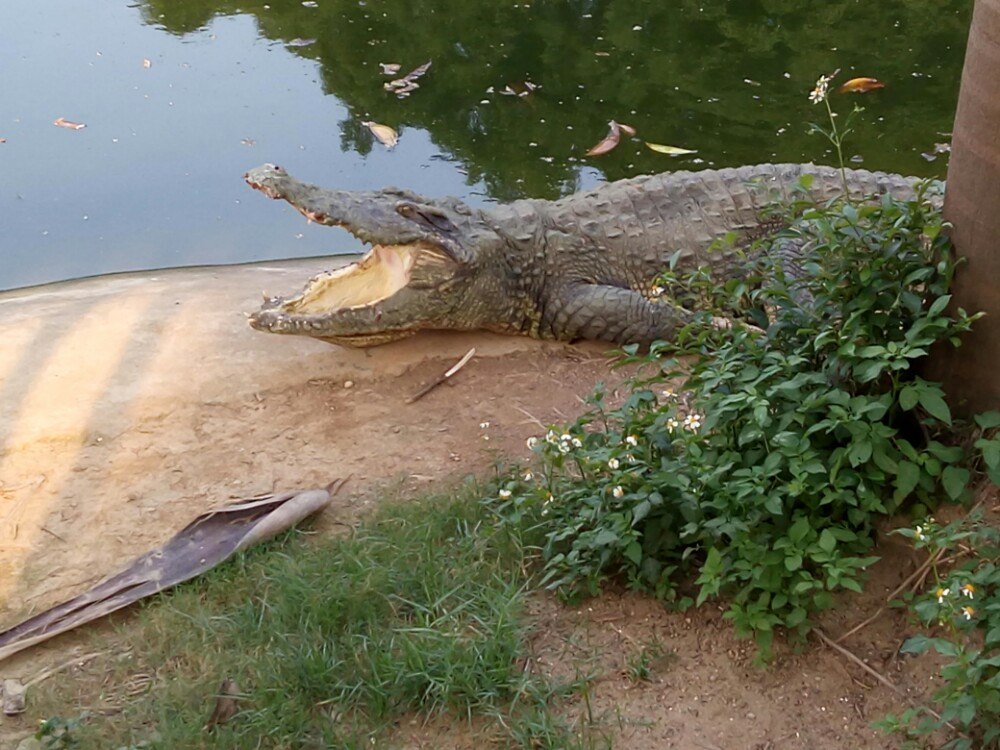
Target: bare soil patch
(128,405)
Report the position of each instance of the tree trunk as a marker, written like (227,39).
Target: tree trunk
(971,373)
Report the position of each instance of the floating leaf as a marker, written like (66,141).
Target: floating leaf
(860,86)
(147,63)
(402,87)
(626,129)
(390,69)
(609,142)
(63,123)
(386,135)
(300,42)
(669,150)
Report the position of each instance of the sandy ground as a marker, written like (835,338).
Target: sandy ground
(130,404)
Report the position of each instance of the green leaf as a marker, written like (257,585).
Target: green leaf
(988,420)
(798,530)
(827,541)
(909,397)
(954,480)
(640,511)
(793,562)
(939,305)
(634,552)
(933,403)
(907,478)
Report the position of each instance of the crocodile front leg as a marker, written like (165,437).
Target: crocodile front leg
(611,313)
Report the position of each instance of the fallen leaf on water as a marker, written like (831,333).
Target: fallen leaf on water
(608,142)
(310,4)
(402,87)
(942,148)
(518,88)
(300,42)
(390,69)
(860,86)
(615,130)
(669,150)
(147,63)
(248,142)
(63,123)
(386,135)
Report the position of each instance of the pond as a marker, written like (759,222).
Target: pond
(180,97)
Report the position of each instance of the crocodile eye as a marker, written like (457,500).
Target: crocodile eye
(406,210)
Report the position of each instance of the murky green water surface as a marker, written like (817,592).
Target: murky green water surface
(155,177)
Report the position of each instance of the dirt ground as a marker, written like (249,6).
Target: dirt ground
(130,404)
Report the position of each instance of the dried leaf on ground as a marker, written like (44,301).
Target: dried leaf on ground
(226,704)
(669,150)
(205,542)
(64,123)
(860,86)
(385,135)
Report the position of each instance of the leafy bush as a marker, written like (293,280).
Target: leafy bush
(962,611)
(765,477)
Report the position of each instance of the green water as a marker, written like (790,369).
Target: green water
(154,180)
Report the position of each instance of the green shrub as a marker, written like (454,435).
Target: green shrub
(764,475)
(962,612)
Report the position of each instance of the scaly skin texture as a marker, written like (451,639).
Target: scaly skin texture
(582,267)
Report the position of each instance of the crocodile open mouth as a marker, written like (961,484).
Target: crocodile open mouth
(383,271)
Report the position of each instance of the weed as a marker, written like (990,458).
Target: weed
(332,641)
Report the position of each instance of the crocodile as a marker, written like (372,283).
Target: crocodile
(581,267)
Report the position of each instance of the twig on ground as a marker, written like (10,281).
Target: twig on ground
(845,653)
(77,661)
(918,573)
(438,381)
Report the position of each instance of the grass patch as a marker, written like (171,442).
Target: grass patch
(333,642)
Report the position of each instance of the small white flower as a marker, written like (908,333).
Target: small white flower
(564,448)
(632,440)
(630,458)
(672,424)
(692,421)
(657,291)
(918,533)
(531,443)
(576,443)
(613,463)
(483,425)
(968,612)
(528,476)
(668,394)
(504,494)
(566,437)
(818,94)
(551,437)
(941,594)
(618,491)
(968,590)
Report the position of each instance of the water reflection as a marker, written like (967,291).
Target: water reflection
(154,180)
(726,78)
